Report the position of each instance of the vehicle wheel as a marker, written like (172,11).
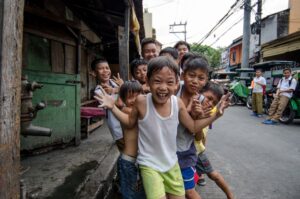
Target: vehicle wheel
(267,105)
(249,102)
(288,115)
(234,100)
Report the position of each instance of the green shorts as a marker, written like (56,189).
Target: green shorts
(157,184)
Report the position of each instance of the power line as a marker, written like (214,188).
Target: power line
(162,4)
(227,31)
(230,12)
(252,6)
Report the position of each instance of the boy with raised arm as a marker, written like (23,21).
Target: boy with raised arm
(157,115)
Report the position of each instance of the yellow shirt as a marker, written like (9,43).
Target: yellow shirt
(200,147)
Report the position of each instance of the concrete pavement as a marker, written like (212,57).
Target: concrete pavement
(258,161)
(85,171)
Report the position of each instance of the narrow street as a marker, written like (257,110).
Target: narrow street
(258,161)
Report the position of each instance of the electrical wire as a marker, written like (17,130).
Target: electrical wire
(162,4)
(226,31)
(230,12)
(252,6)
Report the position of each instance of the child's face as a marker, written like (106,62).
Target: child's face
(130,99)
(258,73)
(103,72)
(141,73)
(163,84)
(149,51)
(182,49)
(210,99)
(194,80)
(286,74)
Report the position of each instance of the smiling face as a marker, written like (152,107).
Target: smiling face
(182,49)
(194,80)
(141,73)
(149,51)
(210,100)
(103,72)
(163,84)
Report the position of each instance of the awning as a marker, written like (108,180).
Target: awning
(282,45)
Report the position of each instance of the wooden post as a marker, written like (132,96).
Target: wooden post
(123,34)
(11,35)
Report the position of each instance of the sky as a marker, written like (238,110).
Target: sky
(201,16)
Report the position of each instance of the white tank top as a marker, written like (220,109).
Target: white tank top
(157,137)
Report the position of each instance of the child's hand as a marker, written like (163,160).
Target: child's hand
(198,111)
(108,89)
(223,104)
(118,80)
(105,100)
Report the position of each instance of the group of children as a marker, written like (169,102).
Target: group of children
(159,121)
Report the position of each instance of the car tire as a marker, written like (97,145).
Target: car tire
(234,100)
(249,102)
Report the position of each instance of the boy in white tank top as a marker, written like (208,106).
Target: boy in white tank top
(157,115)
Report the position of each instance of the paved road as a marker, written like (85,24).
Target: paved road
(258,161)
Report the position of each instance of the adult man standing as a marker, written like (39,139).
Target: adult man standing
(259,82)
(284,92)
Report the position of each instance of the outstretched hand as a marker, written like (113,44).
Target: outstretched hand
(223,103)
(198,111)
(105,100)
(118,80)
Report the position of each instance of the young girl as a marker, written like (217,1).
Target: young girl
(157,115)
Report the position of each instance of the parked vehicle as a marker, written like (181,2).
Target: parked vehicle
(239,93)
(267,99)
(223,77)
(239,87)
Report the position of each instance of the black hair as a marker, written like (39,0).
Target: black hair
(171,51)
(182,43)
(135,64)
(215,88)
(289,69)
(132,86)
(98,61)
(259,69)
(196,61)
(185,57)
(148,40)
(158,63)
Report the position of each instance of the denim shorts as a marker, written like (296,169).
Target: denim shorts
(203,165)
(130,180)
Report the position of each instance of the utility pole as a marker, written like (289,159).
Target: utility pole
(258,27)
(11,35)
(181,25)
(258,20)
(246,34)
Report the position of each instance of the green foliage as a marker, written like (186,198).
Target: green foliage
(213,55)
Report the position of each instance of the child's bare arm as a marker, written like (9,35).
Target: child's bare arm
(108,102)
(195,126)
(199,135)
